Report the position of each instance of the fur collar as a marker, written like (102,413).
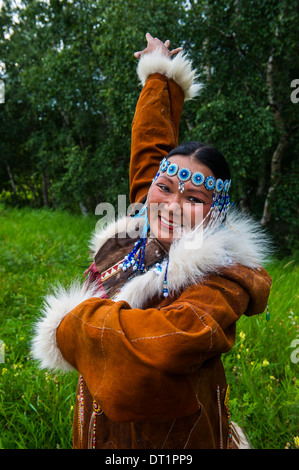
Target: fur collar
(194,256)
(191,259)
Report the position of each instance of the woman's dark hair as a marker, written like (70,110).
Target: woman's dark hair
(206,155)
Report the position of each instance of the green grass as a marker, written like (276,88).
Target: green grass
(262,366)
(40,248)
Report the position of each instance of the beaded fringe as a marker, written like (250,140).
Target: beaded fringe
(226,404)
(96,410)
(80,399)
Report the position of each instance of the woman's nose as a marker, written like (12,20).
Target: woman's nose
(173,205)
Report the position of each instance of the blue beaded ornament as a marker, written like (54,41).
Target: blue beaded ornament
(197,178)
(136,258)
(165,288)
(226,185)
(210,183)
(219,185)
(172,169)
(164,164)
(184,174)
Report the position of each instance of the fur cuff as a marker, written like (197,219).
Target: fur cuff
(56,307)
(178,69)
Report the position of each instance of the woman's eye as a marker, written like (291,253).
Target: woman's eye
(164,187)
(195,200)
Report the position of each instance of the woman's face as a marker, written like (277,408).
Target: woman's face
(171,212)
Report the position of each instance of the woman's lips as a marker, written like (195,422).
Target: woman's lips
(170,225)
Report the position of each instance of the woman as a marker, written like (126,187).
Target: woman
(158,309)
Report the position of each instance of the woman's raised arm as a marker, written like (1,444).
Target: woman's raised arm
(168,80)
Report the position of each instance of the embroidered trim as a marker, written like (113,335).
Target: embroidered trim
(226,404)
(80,399)
(220,416)
(97,410)
(111,271)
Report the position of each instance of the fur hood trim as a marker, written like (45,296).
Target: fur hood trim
(194,256)
(179,69)
(56,305)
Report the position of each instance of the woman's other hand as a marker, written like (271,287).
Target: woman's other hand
(155,43)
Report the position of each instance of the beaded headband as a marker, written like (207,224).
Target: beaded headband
(197,178)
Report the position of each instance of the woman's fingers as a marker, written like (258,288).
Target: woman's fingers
(176,51)
(154,43)
(148,36)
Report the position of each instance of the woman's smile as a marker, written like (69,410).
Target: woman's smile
(171,211)
(169,224)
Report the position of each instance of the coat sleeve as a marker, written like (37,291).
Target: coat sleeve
(167,83)
(136,363)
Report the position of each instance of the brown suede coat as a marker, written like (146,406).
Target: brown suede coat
(153,378)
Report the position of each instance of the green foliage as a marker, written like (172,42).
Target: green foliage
(71,89)
(42,247)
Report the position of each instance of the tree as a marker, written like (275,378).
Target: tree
(247,54)
(71,90)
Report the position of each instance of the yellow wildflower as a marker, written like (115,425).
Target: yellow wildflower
(242,335)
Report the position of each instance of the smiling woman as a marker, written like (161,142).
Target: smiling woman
(181,195)
(147,328)
(178,210)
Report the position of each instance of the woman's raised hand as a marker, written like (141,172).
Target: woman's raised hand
(154,44)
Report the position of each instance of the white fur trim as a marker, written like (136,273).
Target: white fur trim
(178,69)
(140,290)
(205,251)
(101,235)
(193,257)
(123,225)
(198,254)
(239,438)
(56,306)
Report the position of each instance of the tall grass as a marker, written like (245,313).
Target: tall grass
(261,368)
(40,248)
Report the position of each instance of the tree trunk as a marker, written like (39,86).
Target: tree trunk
(11,179)
(52,194)
(83,209)
(281,146)
(274,178)
(45,188)
(34,190)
